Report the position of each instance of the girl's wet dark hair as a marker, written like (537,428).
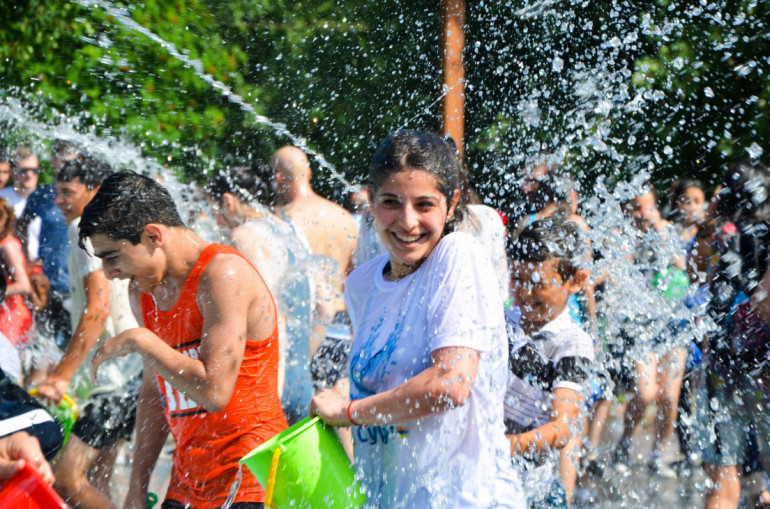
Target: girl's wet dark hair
(548,239)
(746,193)
(125,203)
(419,150)
(247,183)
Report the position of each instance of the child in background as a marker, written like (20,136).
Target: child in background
(15,316)
(550,357)
(687,198)
(655,338)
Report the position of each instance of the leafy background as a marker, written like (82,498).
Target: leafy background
(615,87)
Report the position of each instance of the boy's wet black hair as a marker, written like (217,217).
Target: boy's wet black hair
(247,183)
(548,239)
(65,147)
(419,150)
(125,203)
(746,193)
(89,170)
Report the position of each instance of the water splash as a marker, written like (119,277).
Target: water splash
(123,17)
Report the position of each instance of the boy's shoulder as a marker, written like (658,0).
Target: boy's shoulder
(565,337)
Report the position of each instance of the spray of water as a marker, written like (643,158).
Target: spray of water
(123,17)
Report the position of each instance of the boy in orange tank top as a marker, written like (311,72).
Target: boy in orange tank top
(207,332)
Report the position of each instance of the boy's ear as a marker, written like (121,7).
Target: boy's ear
(229,202)
(154,233)
(577,280)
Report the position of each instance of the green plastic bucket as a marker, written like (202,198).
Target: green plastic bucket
(305,466)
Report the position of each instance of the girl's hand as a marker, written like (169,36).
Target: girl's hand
(331,407)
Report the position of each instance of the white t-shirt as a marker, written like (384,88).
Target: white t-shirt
(459,458)
(484,223)
(33,230)
(559,355)
(113,374)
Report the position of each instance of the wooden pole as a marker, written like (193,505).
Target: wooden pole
(453,13)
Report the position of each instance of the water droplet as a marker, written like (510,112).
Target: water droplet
(755,151)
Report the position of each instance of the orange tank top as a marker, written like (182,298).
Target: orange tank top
(209,445)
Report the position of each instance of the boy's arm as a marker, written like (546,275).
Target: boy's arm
(227,290)
(84,338)
(151,433)
(557,431)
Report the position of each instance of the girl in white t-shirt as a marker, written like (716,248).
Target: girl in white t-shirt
(428,361)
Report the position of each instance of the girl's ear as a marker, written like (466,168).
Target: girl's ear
(453,201)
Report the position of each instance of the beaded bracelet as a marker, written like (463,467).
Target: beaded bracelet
(350,413)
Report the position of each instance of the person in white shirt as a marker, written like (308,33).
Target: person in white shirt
(100,310)
(427,364)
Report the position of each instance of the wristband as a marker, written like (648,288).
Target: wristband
(350,413)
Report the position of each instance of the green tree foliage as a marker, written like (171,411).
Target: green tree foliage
(339,75)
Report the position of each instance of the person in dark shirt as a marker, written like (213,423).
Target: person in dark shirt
(737,395)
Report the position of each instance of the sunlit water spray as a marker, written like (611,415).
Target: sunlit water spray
(123,17)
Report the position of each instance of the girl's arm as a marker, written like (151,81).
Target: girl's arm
(14,259)
(447,383)
(555,433)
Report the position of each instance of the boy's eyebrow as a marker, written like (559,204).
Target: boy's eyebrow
(105,254)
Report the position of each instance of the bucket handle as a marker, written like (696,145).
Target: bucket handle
(271,477)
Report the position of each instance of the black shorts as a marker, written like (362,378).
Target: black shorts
(108,417)
(330,362)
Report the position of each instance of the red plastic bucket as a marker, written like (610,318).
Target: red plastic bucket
(27,490)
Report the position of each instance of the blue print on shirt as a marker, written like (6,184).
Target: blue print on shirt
(368,368)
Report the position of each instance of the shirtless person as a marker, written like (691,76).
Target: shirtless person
(331,232)
(210,339)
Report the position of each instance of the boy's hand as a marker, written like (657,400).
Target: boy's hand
(124,343)
(53,389)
